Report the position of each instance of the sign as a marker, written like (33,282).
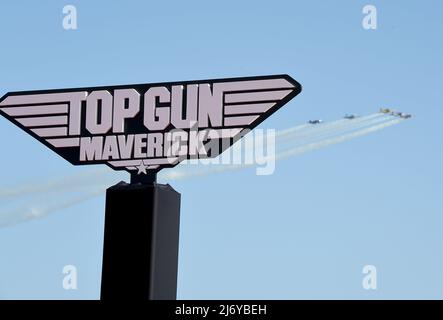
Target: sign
(147,127)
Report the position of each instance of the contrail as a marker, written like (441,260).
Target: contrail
(298,134)
(33,211)
(294,151)
(328,125)
(66,183)
(290,135)
(102,175)
(330,128)
(339,139)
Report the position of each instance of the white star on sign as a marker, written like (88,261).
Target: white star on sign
(142,168)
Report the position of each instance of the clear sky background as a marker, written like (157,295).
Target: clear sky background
(304,232)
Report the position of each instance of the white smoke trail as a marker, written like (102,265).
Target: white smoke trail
(79,180)
(298,134)
(339,139)
(328,126)
(343,125)
(294,151)
(45,207)
(295,135)
(33,211)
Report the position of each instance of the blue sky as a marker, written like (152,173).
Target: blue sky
(304,232)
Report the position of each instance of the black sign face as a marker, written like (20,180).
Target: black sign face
(147,127)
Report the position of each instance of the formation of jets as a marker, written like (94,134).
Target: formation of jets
(351,116)
(395,113)
(347,116)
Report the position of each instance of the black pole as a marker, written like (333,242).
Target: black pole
(140,254)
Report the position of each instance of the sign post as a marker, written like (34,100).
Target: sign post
(142,129)
(140,255)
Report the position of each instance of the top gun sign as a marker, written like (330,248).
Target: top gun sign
(147,126)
